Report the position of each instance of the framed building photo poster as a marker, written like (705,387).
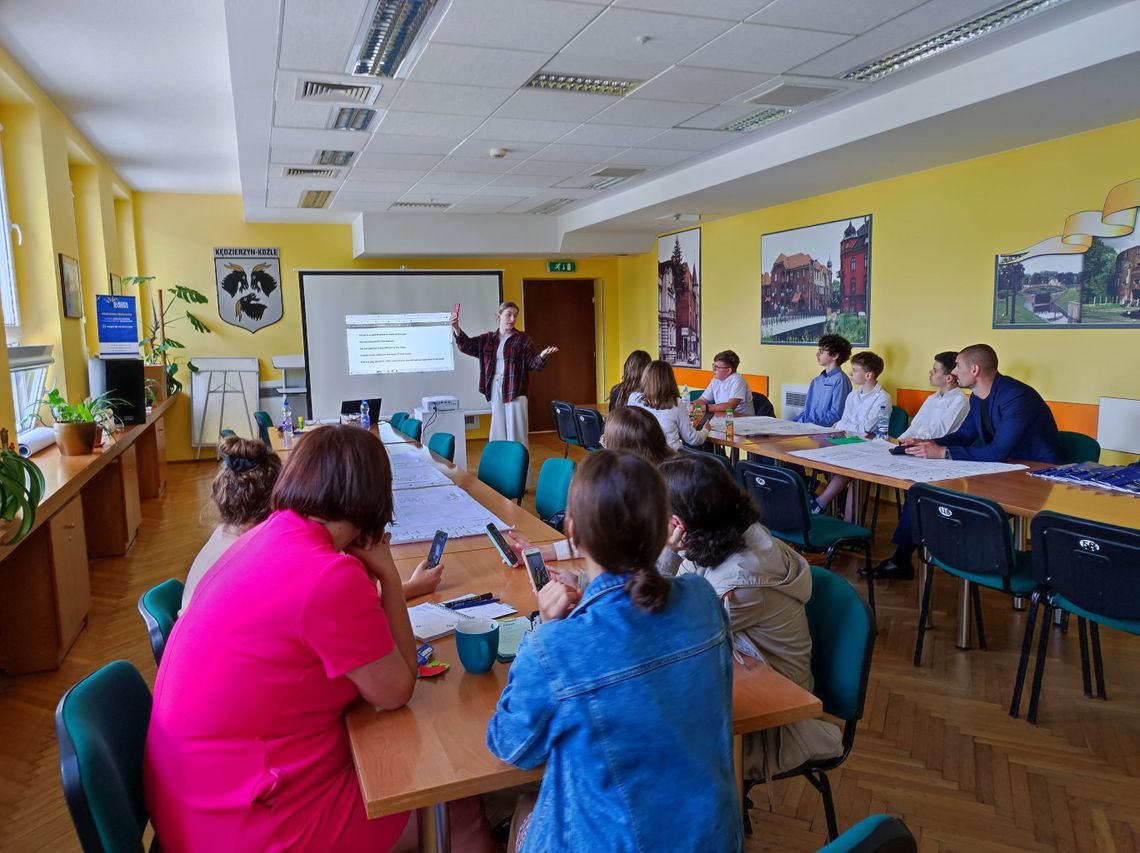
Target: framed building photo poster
(72,289)
(679,298)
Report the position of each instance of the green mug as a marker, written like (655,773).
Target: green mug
(477,641)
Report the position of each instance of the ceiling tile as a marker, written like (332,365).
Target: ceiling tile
(341,140)
(448,190)
(577,153)
(691,140)
(605,66)
(292,114)
(755,47)
(721,115)
(643,112)
(700,85)
(512,180)
(485,165)
(323,48)
(427,124)
(383,174)
(373,204)
(295,156)
(476,66)
(280,194)
(356,187)
(517,150)
(410,162)
(649,158)
(432,197)
(383,144)
(449,99)
(548,104)
(836,16)
(470,180)
(532,24)
(727,10)
(931,17)
(615,32)
(523,129)
(554,168)
(608,134)
(483,204)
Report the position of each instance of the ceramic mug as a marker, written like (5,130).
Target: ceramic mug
(477,641)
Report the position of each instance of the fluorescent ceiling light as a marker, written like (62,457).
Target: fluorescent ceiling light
(328,157)
(581,83)
(390,37)
(755,120)
(419,205)
(552,205)
(352,118)
(315,198)
(983,25)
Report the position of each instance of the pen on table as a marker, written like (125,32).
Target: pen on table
(464,605)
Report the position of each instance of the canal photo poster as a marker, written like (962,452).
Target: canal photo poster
(1088,276)
(679,298)
(815,281)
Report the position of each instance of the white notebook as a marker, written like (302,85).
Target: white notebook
(430,621)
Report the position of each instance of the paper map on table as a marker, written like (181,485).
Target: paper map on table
(416,474)
(388,434)
(419,513)
(873,457)
(760,425)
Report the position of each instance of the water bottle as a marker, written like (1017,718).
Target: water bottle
(729,428)
(685,397)
(286,417)
(365,421)
(883,426)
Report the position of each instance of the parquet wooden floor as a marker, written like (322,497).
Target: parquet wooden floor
(936,746)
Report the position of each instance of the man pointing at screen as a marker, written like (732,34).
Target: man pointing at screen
(506,357)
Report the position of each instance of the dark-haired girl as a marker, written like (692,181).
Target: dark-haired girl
(635,364)
(763,585)
(624,691)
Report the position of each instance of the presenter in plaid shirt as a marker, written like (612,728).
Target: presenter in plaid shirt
(506,357)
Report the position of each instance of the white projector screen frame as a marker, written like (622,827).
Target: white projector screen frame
(329,296)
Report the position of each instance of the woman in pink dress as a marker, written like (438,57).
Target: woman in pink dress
(247,747)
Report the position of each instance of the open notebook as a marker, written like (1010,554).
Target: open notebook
(430,621)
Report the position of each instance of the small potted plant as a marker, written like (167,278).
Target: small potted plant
(76,425)
(21,487)
(161,368)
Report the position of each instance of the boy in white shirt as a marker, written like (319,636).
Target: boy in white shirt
(860,414)
(727,389)
(944,410)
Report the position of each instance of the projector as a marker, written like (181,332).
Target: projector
(440,404)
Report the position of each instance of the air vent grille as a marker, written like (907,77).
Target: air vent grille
(329,157)
(552,205)
(789,95)
(756,120)
(616,172)
(352,118)
(315,90)
(420,205)
(315,198)
(605,183)
(296,172)
(583,83)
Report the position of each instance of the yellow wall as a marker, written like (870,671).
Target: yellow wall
(176,235)
(935,234)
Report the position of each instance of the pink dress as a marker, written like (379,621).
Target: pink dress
(247,748)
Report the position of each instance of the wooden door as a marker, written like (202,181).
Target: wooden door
(560,313)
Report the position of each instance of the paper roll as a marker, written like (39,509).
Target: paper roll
(34,440)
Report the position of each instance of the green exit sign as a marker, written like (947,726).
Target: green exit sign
(561,266)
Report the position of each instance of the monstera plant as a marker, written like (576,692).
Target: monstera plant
(157,344)
(21,487)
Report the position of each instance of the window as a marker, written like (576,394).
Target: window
(28,366)
(8,299)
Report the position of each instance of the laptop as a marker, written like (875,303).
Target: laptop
(352,407)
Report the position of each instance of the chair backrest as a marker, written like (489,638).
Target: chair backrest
(413,428)
(899,422)
(264,424)
(503,466)
(1078,447)
(553,487)
(762,406)
(443,443)
(564,421)
(695,393)
(159,608)
(880,833)
(842,642)
(101,725)
(704,454)
(590,425)
(397,419)
(962,531)
(1092,565)
(781,495)
(226,433)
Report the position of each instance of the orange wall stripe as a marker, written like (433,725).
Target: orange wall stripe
(1071,417)
(699,379)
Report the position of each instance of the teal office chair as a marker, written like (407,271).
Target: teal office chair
(565,424)
(397,419)
(101,725)
(443,444)
(900,420)
(880,833)
(503,466)
(413,428)
(264,424)
(159,608)
(553,487)
(842,631)
(226,433)
(695,394)
(1078,447)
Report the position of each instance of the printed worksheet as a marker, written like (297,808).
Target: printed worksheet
(762,425)
(416,474)
(873,457)
(419,513)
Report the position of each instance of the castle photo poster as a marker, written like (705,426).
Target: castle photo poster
(1088,276)
(679,298)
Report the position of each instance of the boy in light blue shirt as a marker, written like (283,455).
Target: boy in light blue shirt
(828,391)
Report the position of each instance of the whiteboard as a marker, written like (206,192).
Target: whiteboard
(1118,424)
(235,380)
(329,297)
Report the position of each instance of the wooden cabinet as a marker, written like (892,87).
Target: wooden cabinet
(111,508)
(71,580)
(152,461)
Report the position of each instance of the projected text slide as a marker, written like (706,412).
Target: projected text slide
(399,343)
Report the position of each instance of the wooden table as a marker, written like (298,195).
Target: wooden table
(90,506)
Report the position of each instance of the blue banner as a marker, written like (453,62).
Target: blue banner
(118,326)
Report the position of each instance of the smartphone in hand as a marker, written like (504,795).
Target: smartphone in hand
(435,553)
(502,545)
(536,566)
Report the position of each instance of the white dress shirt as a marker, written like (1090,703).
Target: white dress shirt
(861,410)
(940,414)
(674,422)
(734,387)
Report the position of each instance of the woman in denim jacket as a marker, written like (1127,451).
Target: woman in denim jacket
(626,692)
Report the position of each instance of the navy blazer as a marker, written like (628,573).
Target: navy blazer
(1024,428)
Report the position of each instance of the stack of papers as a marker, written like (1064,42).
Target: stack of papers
(430,621)
(419,513)
(1117,478)
(874,457)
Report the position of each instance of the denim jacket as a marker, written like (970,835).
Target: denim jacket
(632,713)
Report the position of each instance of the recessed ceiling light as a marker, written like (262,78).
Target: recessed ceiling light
(617,172)
(552,205)
(391,36)
(419,205)
(352,118)
(329,157)
(983,25)
(315,198)
(583,83)
(755,120)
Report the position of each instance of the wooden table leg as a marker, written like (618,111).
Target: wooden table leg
(964,622)
(854,498)
(435,828)
(738,765)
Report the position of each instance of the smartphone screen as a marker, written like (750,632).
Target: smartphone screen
(435,553)
(536,567)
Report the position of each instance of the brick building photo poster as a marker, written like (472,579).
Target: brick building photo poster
(1088,276)
(679,298)
(817,280)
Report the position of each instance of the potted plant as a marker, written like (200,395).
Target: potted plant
(162,369)
(21,487)
(76,425)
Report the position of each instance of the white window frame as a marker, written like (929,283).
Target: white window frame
(9,297)
(28,367)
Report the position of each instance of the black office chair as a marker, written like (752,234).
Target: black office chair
(566,424)
(968,537)
(762,406)
(706,454)
(1087,569)
(590,425)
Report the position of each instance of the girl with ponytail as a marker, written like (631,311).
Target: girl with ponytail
(625,689)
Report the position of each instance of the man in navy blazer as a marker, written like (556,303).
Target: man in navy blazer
(1007,420)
